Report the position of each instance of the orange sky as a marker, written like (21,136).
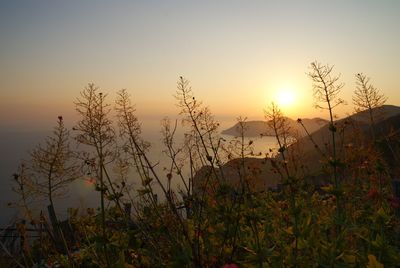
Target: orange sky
(236,55)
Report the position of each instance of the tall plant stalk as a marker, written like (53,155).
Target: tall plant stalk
(95,130)
(326,87)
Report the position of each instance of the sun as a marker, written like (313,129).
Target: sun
(285,97)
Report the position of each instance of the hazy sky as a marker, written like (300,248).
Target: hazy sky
(237,54)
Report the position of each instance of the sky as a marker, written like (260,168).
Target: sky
(238,55)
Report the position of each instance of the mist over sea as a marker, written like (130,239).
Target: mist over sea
(15,146)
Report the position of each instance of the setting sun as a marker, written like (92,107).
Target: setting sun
(285,97)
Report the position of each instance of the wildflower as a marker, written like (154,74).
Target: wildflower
(372,193)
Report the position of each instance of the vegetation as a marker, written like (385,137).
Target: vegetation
(342,214)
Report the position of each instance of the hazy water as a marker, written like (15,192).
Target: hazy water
(15,145)
(259,145)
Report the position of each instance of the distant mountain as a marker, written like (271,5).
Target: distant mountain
(383,116)
(380,114)
(259,128)
(353,132)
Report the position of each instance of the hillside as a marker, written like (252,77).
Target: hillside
(383,116)
(380,114)
(353,131)
(258,128)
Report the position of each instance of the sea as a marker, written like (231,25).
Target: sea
(15,147)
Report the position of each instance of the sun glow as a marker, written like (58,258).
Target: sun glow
(285,97)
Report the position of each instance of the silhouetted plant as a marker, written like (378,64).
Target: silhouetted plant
(367,98)
(52,169)
(278,123)
(326,88)
(52,165)
(25,191)
(95,130)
